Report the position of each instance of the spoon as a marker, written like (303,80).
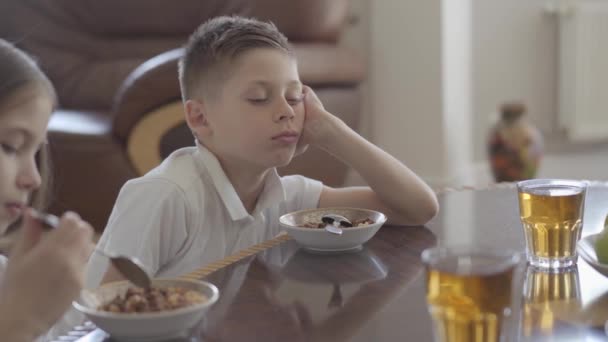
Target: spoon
(130,268)
(333,223)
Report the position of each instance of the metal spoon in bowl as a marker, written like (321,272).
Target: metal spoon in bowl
(333,223)
(129,267)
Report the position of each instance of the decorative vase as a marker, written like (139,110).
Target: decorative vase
(515,146)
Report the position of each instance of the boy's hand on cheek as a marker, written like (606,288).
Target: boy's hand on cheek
(320,126)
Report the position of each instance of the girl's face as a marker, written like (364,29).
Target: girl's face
(24,116)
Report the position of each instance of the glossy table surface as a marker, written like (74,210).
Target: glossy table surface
(378,294)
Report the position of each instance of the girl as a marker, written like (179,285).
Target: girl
(44,274)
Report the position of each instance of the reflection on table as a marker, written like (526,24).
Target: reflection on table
(305,296)
(286,294)
(547,296)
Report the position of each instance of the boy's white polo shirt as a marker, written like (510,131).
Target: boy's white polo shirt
(3,262)
(185,213)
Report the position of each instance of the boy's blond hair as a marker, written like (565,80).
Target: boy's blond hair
(218,42)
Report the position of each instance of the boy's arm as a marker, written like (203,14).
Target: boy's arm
(393,188)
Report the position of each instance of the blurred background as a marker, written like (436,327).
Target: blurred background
(437,83)
(439,70)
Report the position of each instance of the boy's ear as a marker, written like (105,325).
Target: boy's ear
(196,116)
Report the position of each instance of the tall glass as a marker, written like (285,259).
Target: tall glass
(469,292)
(551,211)
(547,294)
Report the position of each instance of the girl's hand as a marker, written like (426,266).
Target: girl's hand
(44,274)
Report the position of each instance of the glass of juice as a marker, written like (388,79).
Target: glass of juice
(551,212)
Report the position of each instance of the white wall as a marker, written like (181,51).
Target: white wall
(406,81)
(457,89)
(515,56)
(420,85)
(410,91)
(402,95)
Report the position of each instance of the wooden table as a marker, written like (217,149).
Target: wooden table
(284,293)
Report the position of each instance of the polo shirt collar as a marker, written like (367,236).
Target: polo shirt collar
(272,193)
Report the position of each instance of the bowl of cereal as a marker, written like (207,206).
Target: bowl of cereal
(168,309)
(308,228)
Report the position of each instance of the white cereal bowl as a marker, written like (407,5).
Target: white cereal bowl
(153,326)
(320,240)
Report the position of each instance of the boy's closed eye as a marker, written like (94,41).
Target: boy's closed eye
(262,94)
(294,94)
(291,100)
(258,100)
(257,95)
(295,100)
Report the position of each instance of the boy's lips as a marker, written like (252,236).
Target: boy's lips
(287,137)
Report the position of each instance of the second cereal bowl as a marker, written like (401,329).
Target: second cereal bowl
(318,239)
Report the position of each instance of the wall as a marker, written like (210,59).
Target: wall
(402,98)
(457,89)
(405,83)
(514,57)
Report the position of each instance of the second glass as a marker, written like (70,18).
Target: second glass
(469,292)
(551,211)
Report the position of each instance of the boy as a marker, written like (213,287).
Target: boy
(249,113)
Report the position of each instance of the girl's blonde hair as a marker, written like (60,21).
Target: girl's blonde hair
(17,71)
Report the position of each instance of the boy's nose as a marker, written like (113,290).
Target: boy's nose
(286,116)
(285,112)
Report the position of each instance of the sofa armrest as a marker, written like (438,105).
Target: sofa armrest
(151,85)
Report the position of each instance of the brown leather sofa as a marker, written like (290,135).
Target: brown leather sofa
(114,61)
